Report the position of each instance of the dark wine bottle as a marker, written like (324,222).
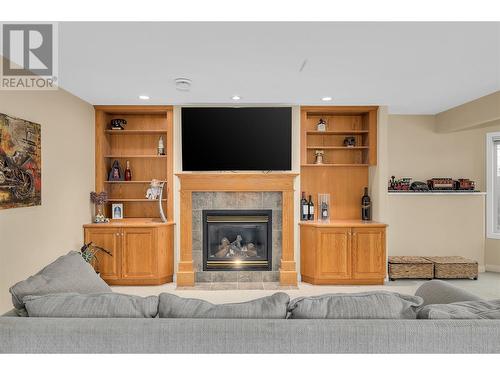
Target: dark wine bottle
(128,172)
(366,206)
(304,208)
(310,205)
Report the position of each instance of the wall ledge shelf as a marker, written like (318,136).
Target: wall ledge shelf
(136,132)
(436,193)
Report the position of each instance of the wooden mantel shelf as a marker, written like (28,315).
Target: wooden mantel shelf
(237,181)
(233,182)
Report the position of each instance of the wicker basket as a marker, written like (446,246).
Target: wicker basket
(410,267)
(454,267)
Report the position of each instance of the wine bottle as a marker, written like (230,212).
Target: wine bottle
(304,208)
(366,206)
(310,204)
(128,172)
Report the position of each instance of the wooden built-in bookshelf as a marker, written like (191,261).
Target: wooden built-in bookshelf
(344,172)
(138,144)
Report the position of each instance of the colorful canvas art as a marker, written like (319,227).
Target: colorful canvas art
(20,163)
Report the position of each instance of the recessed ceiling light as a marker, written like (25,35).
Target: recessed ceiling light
(144,97)
(326,98)
(236,97)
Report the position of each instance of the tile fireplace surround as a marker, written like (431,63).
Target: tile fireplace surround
(233,201)
(201,191)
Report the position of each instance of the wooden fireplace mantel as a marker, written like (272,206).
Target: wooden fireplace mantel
(234,182)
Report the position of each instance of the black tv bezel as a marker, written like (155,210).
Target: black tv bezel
(290,168)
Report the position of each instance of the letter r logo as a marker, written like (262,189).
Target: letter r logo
(28,49)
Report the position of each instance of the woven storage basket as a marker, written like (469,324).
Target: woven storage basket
(410,267)
(454,267)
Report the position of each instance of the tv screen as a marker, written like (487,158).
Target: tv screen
(246,139)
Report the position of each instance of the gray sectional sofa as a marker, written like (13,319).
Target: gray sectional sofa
(90,319)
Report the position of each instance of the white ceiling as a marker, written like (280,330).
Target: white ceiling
(417,68)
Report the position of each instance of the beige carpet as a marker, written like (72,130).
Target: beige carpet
(487,286)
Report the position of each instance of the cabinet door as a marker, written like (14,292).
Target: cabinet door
(140,256)
(109,239)
(334,253)
(368,253)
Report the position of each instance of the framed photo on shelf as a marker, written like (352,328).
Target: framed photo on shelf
(117,210)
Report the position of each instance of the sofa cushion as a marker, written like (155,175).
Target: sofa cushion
(462,310)
(270,307)
(368,305)
(68,273)
(99,305)
(439,291)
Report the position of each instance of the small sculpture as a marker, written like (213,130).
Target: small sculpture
(153,193)
(319,156)
(350,142)
(116,173)
(118,124)
(161,146)
(321,125)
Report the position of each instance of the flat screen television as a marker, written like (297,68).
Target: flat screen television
(244,139)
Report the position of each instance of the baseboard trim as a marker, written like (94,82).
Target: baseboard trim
(492,268)
(481,269)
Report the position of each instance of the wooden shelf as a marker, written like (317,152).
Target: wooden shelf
(337,148)
(135,156)
(435,193)
(127,182)
(334,165)
(337,132)
(136,132)
(135,200)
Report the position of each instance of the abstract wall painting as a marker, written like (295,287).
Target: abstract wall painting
(20,163)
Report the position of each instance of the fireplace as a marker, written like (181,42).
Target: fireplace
(237,240)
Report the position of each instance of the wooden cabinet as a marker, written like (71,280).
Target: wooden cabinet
(343,252)
(141,254)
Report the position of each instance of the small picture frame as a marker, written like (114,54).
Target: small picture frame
(117,211)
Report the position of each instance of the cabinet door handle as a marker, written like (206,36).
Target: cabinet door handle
(117,233)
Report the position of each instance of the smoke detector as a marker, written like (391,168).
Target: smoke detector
(182,84)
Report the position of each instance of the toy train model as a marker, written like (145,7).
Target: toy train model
(433,184)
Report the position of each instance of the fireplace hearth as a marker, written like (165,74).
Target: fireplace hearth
(237,240)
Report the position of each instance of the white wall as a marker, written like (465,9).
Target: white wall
(32,237)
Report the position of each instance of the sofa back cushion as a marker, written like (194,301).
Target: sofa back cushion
(270,307)
(67,274)
(100,305)
(462,310)
(368,305)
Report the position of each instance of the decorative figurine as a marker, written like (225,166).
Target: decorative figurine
(319,156)
(116,173)
(465,184)
(118,124)
(321,125)
(99,200)
(419,186)
(441,183)
(161,146)
(155,192)
(403,184)
(350,141)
